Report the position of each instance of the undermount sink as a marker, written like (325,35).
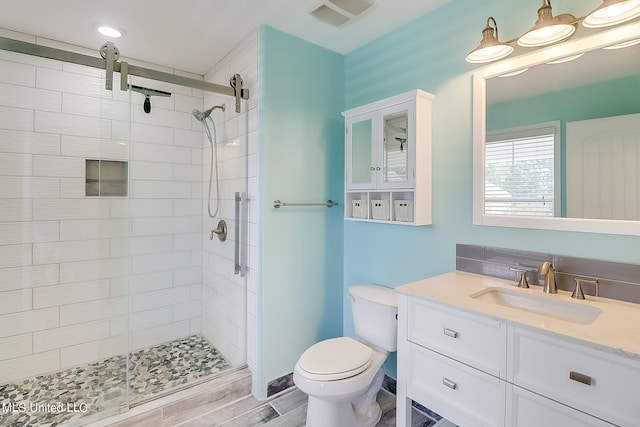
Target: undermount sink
(545,305)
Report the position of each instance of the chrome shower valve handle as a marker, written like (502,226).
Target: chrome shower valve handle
(220,230)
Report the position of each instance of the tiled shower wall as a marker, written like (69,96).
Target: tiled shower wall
(229,301)
(64,257)
(166,215)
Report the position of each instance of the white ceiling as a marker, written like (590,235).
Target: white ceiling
(192,35)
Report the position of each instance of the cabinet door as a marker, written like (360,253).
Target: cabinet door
(360,154)
(396,164)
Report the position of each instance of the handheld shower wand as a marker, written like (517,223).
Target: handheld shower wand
(202,116)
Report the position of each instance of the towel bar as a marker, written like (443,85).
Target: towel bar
(277,204)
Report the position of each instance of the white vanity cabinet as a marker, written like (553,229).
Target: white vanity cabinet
(477,369)
(388,160)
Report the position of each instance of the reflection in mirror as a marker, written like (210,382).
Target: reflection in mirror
(601,83)
(519,171)
(395,147)
(603,168)
(594,101)
(361,157)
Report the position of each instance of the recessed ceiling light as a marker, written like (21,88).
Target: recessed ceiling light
(110,31)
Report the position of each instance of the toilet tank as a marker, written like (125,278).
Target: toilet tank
(375,310)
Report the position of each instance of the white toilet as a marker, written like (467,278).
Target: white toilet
(342,376)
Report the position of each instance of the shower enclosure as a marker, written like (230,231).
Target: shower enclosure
(111,290)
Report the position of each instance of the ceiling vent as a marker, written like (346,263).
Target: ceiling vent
(339,12)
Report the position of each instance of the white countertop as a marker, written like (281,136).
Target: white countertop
(617,328)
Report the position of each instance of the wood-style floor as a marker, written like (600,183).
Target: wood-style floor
(227,402)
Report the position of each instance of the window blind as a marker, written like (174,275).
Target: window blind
(519,178)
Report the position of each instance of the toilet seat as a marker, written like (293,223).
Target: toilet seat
(335,359)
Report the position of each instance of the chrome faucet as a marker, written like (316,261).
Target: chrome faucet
(549,273)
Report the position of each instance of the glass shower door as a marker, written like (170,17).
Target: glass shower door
(64,240)
(224,279)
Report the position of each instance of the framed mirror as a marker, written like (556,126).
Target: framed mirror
(557,143)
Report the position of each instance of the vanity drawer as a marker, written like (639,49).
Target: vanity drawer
(467,396)
(527,409)
(475,340)
(599,383)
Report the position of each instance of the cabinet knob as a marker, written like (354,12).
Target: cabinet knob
(448,383)
(450,333)
(581,378)
(378,168)
(372,168)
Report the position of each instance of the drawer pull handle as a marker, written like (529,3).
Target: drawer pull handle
(448,383)
(450,333)
(581,378)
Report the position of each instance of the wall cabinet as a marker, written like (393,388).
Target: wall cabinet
(477,370)
(388,160)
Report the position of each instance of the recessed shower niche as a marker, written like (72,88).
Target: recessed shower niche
(108,178)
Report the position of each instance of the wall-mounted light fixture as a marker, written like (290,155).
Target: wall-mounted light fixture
(490,47)
(612,12)
(549,29)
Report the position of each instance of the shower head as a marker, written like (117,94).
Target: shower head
(202,115)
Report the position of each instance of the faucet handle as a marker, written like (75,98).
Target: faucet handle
(522,283)
(577,292)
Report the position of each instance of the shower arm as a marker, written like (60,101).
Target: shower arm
(108,50)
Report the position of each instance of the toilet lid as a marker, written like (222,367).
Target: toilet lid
(334,359)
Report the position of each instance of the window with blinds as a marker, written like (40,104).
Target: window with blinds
(519,171)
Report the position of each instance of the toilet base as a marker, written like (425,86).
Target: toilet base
(363,411)
(322,413)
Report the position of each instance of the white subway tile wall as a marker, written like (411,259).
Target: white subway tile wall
(229,306)
(72,267)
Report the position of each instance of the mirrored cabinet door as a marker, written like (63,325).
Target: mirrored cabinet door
(361,153)
(398,146)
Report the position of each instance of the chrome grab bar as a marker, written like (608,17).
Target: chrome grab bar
(277,204)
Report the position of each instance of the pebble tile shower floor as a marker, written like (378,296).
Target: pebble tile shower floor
(102,384)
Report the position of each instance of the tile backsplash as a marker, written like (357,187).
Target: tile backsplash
(616,280)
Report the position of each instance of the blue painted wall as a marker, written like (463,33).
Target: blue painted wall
(429,54)
(301,158)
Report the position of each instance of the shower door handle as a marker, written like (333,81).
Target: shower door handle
(237,268)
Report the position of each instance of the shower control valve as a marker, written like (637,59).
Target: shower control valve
(220,230)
